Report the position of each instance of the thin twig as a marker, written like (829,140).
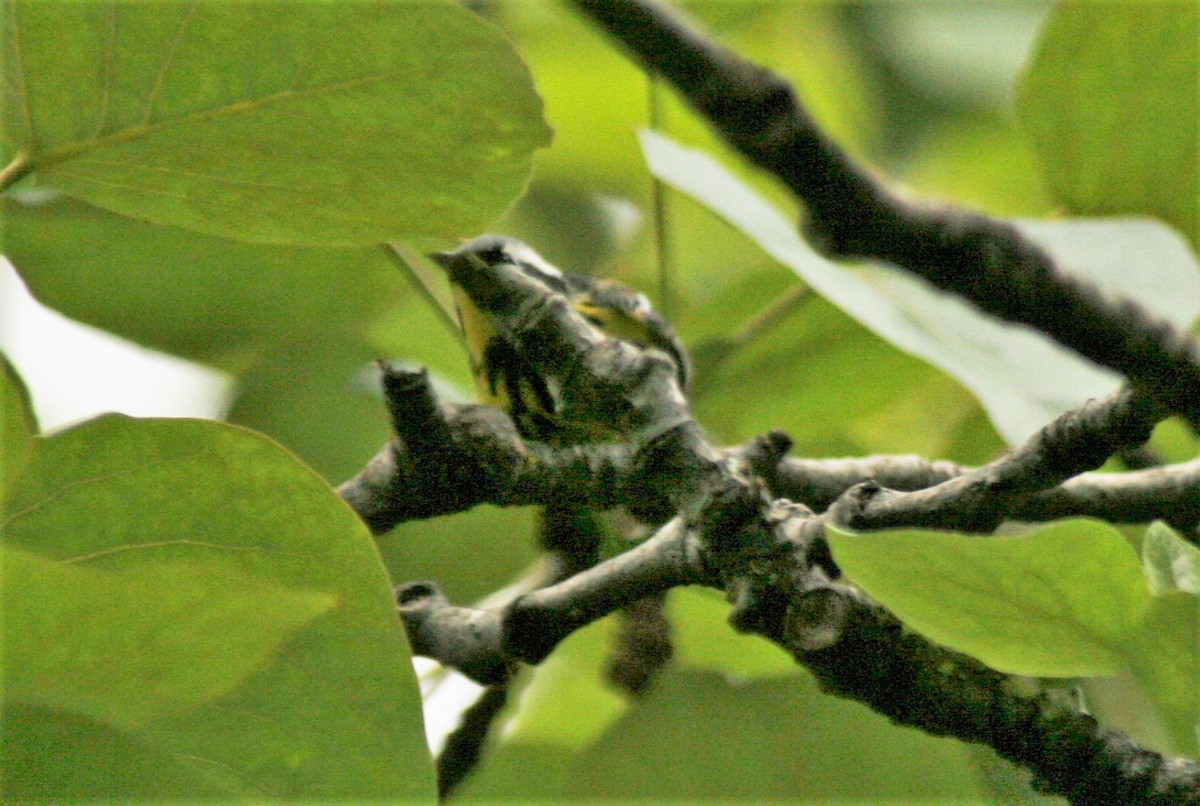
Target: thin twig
(659,196)
(423,283)
(711,355)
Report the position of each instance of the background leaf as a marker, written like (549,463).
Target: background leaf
(1171,562)
(199,296)
(1061,601)
(17,426)
(1022,378)
(327,123)
(704,640)
(1165,658)
(334,713)
(797,744)
(774,736)
(1110,102)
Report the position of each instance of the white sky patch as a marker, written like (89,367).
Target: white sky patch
(74,371)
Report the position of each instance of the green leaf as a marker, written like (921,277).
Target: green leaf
(520,773)
(471,554)
(703,639)
(333,712)
(319,400)
(88,642)
(55,757)
(17,426)
(780,738)
(316,123)
(199,296)
(979,163)
(1171,562)
(1110,100)
(1022,378)
(1165,655)
(803,374)
(568,703)
(1061,601)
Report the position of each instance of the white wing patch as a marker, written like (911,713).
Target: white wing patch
(523,253)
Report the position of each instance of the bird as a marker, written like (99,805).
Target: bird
(573,534)
(506,379)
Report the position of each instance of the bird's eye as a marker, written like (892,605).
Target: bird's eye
(494,255)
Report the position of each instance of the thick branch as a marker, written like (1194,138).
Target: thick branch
(1170,493)
(860,651)
(473,455)
(851,214)
(761,553)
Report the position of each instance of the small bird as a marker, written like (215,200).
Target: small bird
(573,535)
(504,378)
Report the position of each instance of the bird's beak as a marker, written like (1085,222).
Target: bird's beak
(443,259)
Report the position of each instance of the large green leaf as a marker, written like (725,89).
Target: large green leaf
(1062,601)
(312,123)
(123,506)
(51,756)
(85,641)
(1110,103)
(1022,378)
(194,295)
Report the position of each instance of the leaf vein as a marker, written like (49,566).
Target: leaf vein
(66,151)
(62,491)
(109,59)
(20,76)
(168,60)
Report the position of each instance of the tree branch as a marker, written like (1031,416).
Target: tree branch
(473,455)
(979,500)
(1170,493)
(851,214)
(761,554)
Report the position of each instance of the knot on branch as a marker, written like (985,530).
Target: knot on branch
(759,549)
(764,453)
(459,637)
(438,446)
(851,509)
(666,473)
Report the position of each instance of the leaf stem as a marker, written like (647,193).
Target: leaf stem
(658,196)
(15,171)
(711,355)
(423,284)
(770,316)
